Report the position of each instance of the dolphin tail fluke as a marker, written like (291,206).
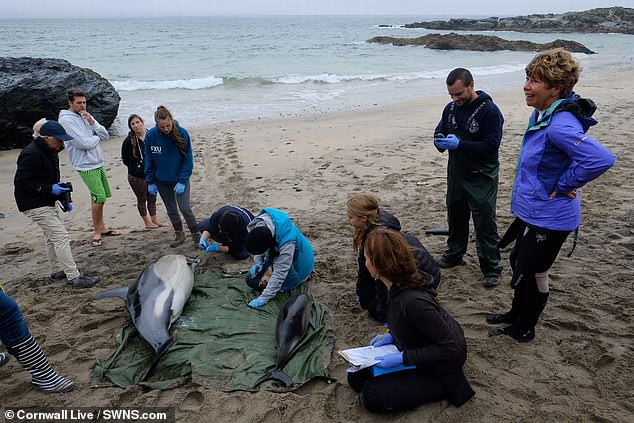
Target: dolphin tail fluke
(118,292)
(276,374)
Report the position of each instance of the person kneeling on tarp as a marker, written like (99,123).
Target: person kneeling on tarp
(228,227)
(284,258)
(16,337)
(429,341)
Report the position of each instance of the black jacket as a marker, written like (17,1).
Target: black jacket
(38,170)
(135,166)
(430,339)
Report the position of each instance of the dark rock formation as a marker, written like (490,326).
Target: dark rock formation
(454,41)
(32,88)
(607,19)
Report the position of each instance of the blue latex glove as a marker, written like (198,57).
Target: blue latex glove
(179,188)
(152,189)
(68,207)
(255,269)
(202,243)
(390,360)
(257,303)
(57,190)
(212,248)
(379,340)
(438,136)
(449,143)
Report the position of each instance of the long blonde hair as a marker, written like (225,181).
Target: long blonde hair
(363,205)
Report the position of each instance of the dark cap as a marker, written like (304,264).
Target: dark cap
(259,240)
(54,129)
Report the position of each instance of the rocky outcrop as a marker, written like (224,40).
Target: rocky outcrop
(607,19)
(32,88)
(455,41)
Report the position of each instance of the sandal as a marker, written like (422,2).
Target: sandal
(110,232)
(97,242)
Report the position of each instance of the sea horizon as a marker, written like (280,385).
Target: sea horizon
(215,69)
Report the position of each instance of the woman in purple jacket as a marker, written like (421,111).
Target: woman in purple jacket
(557,158)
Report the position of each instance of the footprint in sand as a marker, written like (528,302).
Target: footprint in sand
(193,401)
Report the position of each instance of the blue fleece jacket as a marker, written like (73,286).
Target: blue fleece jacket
(164,162)
(556,156)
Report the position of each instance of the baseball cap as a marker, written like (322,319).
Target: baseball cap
(54,129)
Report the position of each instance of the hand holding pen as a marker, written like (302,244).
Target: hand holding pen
(383,339)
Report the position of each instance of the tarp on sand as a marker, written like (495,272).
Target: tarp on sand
(221,343)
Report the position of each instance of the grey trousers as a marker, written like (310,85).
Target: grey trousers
(174,203)
(57,241)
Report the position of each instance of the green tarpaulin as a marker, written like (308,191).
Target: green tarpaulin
(220,343)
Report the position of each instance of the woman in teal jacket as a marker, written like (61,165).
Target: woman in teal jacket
(557,158)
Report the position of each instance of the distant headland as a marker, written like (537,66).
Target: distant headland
(608,19)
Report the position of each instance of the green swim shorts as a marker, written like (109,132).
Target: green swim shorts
(97,182)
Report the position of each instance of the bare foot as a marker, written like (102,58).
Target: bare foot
(151,225)
(158,224)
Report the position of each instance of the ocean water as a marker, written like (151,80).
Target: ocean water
(208,70)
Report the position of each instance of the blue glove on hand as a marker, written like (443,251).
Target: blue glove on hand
(437,137)
(379,340)
(152,189)
(202,243)
(179,188)
(212,248)
(67,207)
(257,303)
(449,143)
(57,190)
(255,269)
(390,360)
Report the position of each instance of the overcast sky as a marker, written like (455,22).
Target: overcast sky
(132,8)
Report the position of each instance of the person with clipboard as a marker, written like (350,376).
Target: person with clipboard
(430,343)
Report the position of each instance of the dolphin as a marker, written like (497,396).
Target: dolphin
(156,299)
(292,323)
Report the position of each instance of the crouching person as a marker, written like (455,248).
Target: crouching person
(284,258)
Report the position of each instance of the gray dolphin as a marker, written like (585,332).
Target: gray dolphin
(292,323)
(156,299)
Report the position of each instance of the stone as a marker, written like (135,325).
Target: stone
(35,88)
(453,41)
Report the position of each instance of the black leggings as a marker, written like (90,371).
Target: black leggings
(404,390)
(143,197)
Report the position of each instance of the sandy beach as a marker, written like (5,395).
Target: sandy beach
(579,367)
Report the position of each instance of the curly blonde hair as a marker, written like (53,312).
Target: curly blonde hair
(37,126)
(555,67)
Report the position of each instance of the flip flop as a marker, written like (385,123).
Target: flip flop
(97,242)
(111,232)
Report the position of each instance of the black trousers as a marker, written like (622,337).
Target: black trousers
(404,390)
(535,251)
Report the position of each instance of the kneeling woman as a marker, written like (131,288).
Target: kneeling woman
(425,335)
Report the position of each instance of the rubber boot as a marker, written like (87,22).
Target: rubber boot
(195,234)
(32,358)
(524,329)
(4,357)
(178,239)
(512,315)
